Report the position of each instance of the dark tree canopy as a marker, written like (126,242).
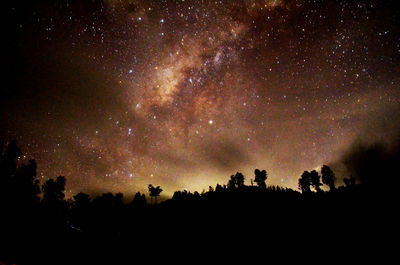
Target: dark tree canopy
(328,177)
(315,180)
(53,193)
(8,161)
(18,183)
(305,182)
(26,183)
(154,192)
(260,178)
(236,181)
(139,199)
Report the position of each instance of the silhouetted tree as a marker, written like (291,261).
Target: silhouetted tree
(218,188)
(236,181)
(81,200)
(315,180)
(8,160)
(196,195)
(80,210)
(260,178)
(8,169)
(53,193)
(305,182)
(26,184)
(139,199)
(19,186)
(108,200)
(328,177)
(154,192)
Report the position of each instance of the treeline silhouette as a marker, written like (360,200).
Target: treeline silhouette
(38,219)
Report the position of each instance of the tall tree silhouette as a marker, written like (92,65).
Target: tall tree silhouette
(8,169)
(315,180)
(8,161)
(328,177)
(19,186)
(139,199)
(305,182)
(26,184)
(53,194)
(81,210)
(154,192)
(260,178)
(236,181)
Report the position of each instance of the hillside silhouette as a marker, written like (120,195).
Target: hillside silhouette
(39,226)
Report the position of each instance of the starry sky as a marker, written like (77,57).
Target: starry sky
(116,95)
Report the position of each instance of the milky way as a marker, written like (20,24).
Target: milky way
(115,95)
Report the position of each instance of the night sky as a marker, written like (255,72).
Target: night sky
(116,95)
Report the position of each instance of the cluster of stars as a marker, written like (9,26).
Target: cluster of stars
(184,93)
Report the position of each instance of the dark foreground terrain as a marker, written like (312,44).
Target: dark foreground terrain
(228,222)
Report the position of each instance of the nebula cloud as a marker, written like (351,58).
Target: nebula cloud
(115,95)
